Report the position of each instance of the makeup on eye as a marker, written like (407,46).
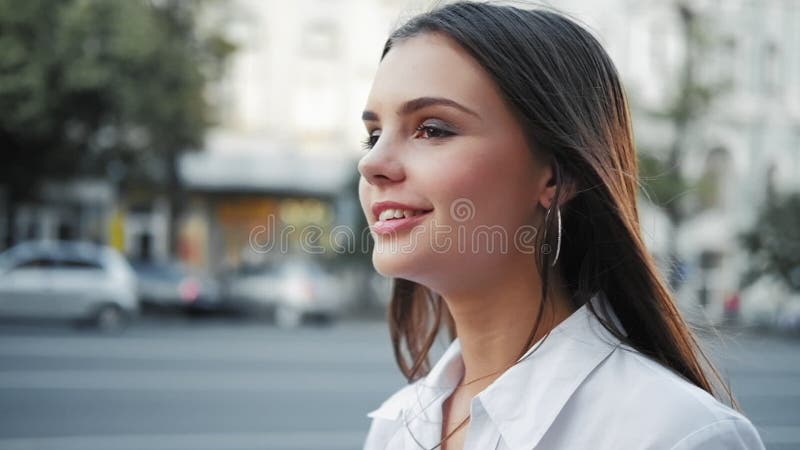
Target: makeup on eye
(435,129)
(431,128)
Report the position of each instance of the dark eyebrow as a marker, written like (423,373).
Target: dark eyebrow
(422,102)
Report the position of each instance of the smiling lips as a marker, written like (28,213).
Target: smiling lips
(392,217)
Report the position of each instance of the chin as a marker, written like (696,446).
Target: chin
(390,264)
(390,261)
(420,267)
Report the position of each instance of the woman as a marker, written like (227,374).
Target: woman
(500,187)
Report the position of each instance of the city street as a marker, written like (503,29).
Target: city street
(220,383)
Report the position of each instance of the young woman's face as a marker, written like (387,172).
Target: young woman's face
(445,145)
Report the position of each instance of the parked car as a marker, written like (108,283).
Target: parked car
(67,280)
(173,285)
(789,315)
(291,290)
(768,302)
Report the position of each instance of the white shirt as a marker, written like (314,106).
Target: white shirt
(582,389)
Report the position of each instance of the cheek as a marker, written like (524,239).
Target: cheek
(488,189)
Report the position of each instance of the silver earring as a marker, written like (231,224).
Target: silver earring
(558,237)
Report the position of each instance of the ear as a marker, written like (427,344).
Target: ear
(549,184)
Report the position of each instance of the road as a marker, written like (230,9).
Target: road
(219,383)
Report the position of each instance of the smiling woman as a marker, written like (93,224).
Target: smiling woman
(499,183)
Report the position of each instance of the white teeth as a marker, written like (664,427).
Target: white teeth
(388,214)
(385,214)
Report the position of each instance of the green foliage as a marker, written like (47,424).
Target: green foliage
(690,103)
(707,190)
(87,83)
(774,242)
(693,98)
(664,185)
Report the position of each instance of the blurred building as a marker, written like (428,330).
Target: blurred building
(285,147)
(248,199)
(289,129)
(72,209)
(285,152)
(744,148)
(304,68)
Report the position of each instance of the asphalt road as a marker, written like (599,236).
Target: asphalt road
(175,383)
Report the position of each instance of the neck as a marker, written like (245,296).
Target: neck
(494,322)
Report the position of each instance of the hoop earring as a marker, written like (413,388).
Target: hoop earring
(558,237)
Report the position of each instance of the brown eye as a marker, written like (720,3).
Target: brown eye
(433,132)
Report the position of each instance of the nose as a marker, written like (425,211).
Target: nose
(381,166)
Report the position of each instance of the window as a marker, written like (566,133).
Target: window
(36,263)
(770,77)
(79,264)
(729,61)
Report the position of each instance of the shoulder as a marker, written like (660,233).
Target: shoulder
(731,433)
(649,383)
(638,393)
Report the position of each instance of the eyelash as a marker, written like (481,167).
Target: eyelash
(367,143)
(371,140)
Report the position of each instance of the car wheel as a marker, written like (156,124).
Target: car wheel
(109,319)
(288,317)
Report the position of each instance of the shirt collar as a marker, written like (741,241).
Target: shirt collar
(525,400)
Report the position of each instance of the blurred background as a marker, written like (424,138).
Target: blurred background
(184,261)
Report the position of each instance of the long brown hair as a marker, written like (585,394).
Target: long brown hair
(566,93)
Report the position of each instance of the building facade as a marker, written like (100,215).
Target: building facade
(743,148)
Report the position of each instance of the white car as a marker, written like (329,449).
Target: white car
(67,280)
(293,289)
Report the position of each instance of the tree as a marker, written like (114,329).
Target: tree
(102,88)
(774,242)
(660,168)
